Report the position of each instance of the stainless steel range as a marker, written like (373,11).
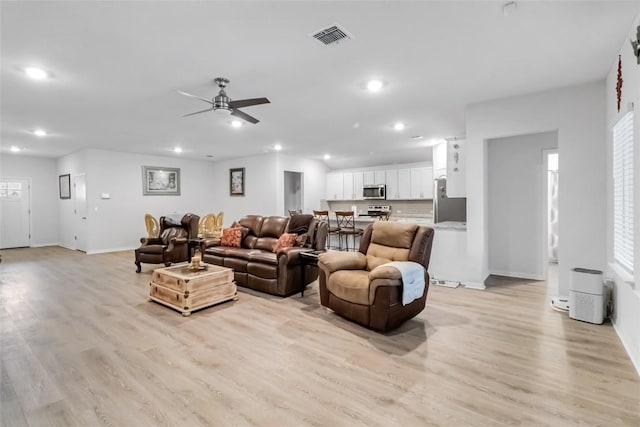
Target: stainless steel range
(377,210)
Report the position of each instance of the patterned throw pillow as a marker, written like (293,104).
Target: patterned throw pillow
(286,240)
(231,237)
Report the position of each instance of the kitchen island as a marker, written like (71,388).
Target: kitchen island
(449,261)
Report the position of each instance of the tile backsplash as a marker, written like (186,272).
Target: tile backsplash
(399,208)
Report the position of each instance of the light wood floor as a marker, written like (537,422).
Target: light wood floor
(81,345)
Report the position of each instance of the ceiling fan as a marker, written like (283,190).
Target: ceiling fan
(223,103)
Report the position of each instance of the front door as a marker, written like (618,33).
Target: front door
(15,213)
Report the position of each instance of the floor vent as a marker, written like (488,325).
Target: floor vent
(333,34)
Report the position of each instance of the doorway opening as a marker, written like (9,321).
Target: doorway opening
(80,192)
(293,192)
(551,214)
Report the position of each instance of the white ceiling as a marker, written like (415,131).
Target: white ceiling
(117,65)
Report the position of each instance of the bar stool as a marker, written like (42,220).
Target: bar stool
(347,225)
(324,216)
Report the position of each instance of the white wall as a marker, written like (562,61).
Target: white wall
(313,185)
(516,202)
(43,175)
(626,316)
(118,223)
(261,190)
(578,115)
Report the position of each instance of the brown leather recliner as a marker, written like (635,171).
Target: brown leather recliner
(359,287)
(171,245)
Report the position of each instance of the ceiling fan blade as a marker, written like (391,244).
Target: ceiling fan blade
(198,112)
(194,96)
(240,103)
(244,116)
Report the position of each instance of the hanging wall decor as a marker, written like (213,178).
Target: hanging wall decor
(619,84)
(635,45)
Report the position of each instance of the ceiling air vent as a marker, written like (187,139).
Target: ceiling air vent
(331,35)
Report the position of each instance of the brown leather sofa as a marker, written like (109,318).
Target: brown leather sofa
(171,245)
(256,266)
(359,287)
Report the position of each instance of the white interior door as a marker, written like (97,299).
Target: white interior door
(80,191)
(15,213)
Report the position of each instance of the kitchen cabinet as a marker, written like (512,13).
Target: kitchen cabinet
(398,183)
(421,183)
(374,177)
(358,183)
(335,186)
(449,161)
(352,186)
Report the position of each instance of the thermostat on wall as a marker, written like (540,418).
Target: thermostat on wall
(105,196)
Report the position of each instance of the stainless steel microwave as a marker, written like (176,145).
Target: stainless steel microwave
(375,192)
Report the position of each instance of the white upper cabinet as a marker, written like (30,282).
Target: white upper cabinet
(422,183)
(374,177)
(404,183)
(335,189)
(348,191)
(358,183)
(391,179)
(398,183)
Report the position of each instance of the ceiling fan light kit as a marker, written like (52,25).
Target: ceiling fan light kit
(221,103)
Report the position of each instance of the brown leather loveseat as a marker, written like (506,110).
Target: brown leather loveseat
(254,263)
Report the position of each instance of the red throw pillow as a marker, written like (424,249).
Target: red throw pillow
(286,240)
(231,237)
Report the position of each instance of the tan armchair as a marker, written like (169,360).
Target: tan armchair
(172,243)
(359,287)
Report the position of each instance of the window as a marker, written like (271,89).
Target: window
(623,192)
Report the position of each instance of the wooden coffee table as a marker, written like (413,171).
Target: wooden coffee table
(188,290)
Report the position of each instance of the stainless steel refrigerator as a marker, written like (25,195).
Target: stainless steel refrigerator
(447,208)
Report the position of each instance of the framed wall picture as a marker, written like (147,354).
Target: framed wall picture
(160,181)
(64,183)
(236,181)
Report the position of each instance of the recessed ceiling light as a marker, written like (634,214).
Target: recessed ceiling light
(374,85)
(36,73)
(327,156)
(236,123)
(417,137)
(14,149)
(40,132)
(177,150)
(277,147)
(398,126)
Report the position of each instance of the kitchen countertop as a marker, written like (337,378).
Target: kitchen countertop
(419,220)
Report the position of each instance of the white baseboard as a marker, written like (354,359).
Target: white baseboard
(103,251)
(627,347)
(518,274)
(474,285)
(42,245)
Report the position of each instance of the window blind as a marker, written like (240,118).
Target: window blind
(623,192)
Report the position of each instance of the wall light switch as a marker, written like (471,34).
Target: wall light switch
(105,196)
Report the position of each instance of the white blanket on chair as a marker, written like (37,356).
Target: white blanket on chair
(412,279)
